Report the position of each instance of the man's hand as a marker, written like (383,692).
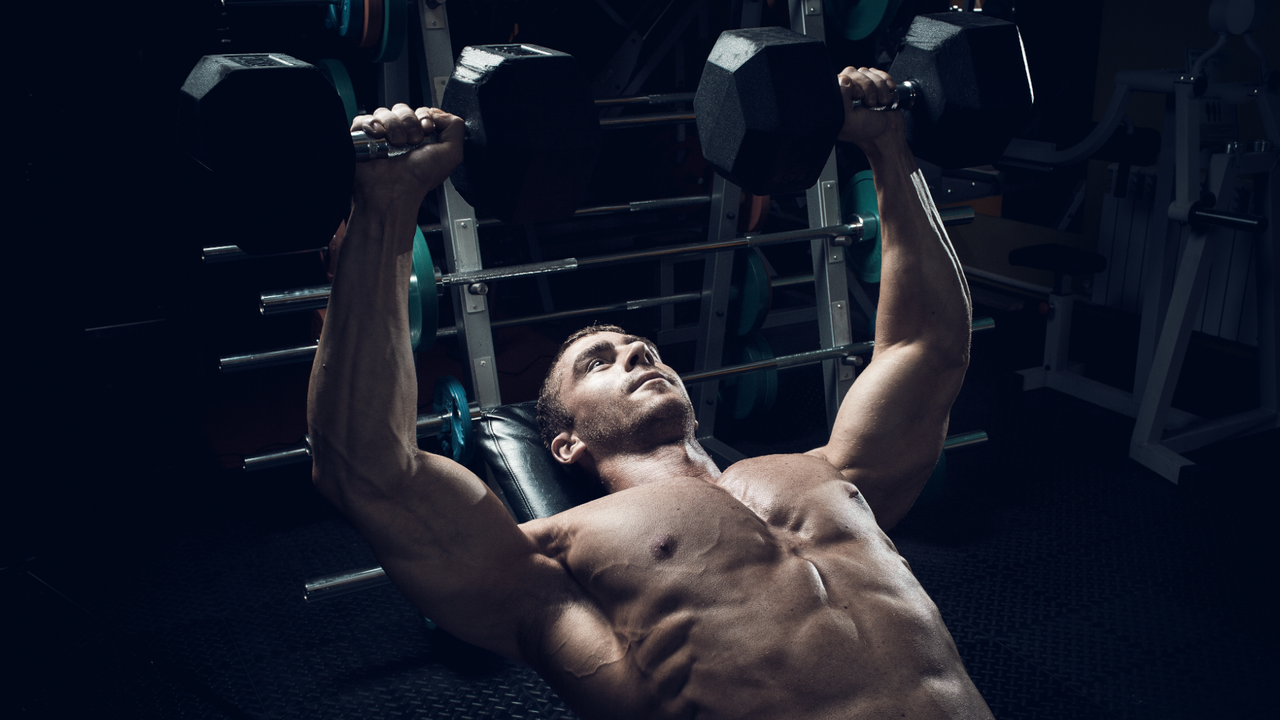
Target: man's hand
(409,177)
(863,127)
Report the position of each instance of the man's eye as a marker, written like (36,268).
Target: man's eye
(592,365)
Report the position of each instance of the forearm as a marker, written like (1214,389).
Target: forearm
(362,407)
(924,299)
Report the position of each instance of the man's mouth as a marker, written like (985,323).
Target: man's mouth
(646,377)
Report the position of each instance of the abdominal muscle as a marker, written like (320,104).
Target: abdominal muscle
(710,611)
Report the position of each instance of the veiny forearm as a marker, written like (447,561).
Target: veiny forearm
(362,406)
(924,298)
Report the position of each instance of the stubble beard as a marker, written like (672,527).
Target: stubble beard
(638,430)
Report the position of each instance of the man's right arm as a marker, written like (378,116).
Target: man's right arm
(444,539)
(893,421)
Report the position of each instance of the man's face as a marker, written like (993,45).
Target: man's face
(621,395)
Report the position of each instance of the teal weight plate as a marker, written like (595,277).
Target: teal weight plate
(457,438)
(750,394)
(424,311)
(752,293)
(336,73)
(395,18)
(858,196)
(858,19)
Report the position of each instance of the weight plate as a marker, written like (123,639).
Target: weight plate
(859,197)
(426,303)
(371,32)
(753,393)
(395,18)
(456,434)
(346,18)
(352,25)
(336,73)
(859,19)
(750,302)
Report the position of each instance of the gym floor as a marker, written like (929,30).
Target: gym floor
(1076,583)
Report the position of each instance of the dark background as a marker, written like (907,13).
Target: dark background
(121,487)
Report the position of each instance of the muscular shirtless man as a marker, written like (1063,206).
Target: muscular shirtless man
(768,591)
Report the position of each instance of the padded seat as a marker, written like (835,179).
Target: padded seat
(1058,259)
(534,484)
(1061,260)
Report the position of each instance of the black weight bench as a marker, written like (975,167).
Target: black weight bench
(532,482)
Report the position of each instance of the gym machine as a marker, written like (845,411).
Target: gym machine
(1173,280)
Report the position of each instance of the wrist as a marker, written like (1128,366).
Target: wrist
(384,218)
(889,151)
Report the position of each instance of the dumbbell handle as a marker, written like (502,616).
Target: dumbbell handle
(904,96)
(371,148)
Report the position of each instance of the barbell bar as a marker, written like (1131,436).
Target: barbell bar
(314,297)
(224,253)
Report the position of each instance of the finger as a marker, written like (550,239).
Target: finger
(423,114)
(879,93)
(393,128)
(362,123)
(881,75)
(852,85)
(410,123)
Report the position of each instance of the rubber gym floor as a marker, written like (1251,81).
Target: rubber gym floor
(1076,583)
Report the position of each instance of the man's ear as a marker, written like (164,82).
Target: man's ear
(567,448)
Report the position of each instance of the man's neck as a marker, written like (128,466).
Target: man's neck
(685,458)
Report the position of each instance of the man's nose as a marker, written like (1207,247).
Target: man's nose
(635,353)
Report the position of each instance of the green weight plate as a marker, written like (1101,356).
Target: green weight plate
(415,299)
(336,73)
(858,196)
(424,310)
(457,438)
(753,393)
(395,19)
(752,293)
(858,19)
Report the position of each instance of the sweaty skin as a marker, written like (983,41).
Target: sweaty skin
(768,591)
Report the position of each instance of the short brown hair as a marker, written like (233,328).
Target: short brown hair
(553,417)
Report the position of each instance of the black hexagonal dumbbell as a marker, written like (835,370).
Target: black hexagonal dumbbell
(531,143)
(264,194)
(532,131)
(769,107)
(971,85)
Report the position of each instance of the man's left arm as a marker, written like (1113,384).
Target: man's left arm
(892,423)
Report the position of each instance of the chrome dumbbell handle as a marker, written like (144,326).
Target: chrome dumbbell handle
(371,148)
(904,96)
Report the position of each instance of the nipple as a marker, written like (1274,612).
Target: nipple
(662,547)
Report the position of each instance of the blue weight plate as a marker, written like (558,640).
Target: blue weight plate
(346,18)
(457,436)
